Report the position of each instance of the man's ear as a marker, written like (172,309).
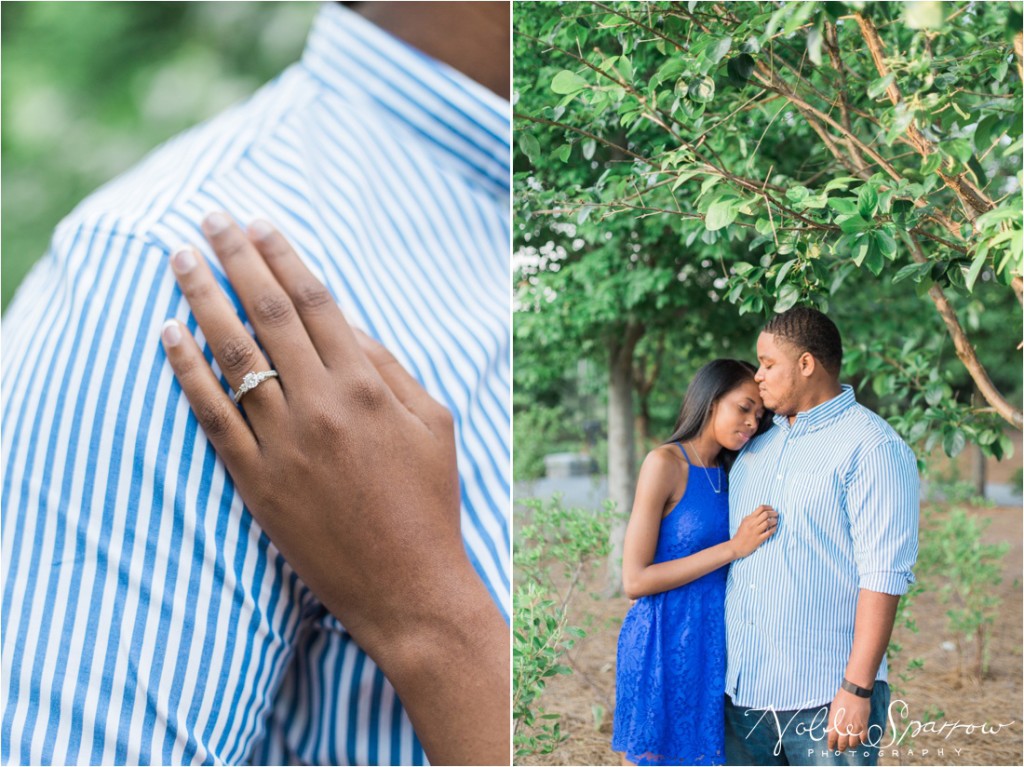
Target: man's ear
(807,364)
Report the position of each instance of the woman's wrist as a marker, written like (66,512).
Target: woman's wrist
(449,661)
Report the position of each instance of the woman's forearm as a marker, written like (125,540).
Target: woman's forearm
(665,576)
(449,662)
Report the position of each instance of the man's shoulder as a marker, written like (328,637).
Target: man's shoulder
(163,193)
(870,432)
(869,427)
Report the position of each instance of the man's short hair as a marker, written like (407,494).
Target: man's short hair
(810,331)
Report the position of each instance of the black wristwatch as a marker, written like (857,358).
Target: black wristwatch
(860,692)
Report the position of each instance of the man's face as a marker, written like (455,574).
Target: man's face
(778,378)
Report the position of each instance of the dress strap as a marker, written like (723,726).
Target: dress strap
(684,453)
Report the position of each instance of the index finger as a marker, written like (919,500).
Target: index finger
(326,325)
(833,730)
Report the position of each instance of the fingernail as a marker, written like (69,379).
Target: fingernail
(260,229)
(215,223)
(183,261)
(171,333)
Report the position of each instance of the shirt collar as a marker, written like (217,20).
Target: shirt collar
(821,415)
(467,124)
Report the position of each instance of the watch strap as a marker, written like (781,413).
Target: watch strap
(860,692)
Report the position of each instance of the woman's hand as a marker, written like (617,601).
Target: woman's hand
(755,529)
(350,468)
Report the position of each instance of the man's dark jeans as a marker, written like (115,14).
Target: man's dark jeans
(759,736)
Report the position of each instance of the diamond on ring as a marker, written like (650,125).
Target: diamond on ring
(251,380)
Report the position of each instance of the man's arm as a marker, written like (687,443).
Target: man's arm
(848,718)
(883,507)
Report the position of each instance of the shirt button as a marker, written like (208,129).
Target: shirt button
(751,585)
(778,476)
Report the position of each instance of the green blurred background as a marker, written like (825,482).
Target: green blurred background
(88,88)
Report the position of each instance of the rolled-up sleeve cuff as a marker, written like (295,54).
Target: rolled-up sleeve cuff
(887,581)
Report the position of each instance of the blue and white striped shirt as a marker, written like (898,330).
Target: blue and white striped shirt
(146,617)
(846,489)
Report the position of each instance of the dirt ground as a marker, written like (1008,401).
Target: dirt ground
(586,698)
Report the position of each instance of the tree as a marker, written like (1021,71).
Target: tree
(742,158)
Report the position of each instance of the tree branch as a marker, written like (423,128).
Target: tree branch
(973,200)
(964,350)
(832,45)
(1018,48)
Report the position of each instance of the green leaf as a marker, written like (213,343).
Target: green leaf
(915,271)
(874,260)
(721,213)
(566,82)
(763,226)
(530,146)
(1005,446)
(563,152)
(844,206)
(976,266)
(709,183)
(987,437)
(867,201)
(739,68)
(854,224)
(931,163)
(953,443)
(861,249)
(797,193)
(671,69)
(786,268)
(625,67)
(958,148)
(986,220)
(879,86)
(701,89)
(814,38)
(843,182)
(683,177)
(717,52)
(986,132)
(787,299)
(924,14)
(886,244)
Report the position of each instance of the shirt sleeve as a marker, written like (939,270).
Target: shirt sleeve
(883,497)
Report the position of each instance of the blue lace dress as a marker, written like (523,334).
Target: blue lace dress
(670,676)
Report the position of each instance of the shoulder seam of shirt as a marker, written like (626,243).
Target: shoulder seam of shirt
(260,120)
(69,228)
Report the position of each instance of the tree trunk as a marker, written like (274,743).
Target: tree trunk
(977,456)
(621,446)
(643,425)
(978,470)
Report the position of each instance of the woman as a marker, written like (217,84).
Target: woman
(349,467)
(671,654)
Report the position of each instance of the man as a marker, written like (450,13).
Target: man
(809,614)
(146,617)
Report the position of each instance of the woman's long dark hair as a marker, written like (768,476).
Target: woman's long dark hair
(710,384)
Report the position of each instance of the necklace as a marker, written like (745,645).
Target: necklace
(718,489)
